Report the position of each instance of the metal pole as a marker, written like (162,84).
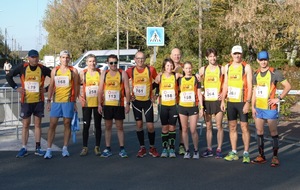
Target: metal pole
(200,33)
(118,48)
(5,46)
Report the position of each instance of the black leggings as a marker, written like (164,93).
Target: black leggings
(87,116)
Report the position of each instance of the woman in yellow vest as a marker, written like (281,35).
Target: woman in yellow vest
(190,108)
(90,79)
(168,92)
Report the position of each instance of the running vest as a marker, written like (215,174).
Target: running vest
(213,80)
(64,85)
(237,83)
(90,88)
(188,92)
(142,84)
(113,89)
(168,90)
(32,82)
(265,89)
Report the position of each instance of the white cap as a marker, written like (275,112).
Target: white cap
(237,49)
(64,52)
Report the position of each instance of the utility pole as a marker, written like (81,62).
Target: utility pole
(5,45)
(118,40)
(200,32)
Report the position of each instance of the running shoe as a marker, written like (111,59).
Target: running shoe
(196,155)
(172,153)
(275,161)
(142,152)
(181,150)
(65,152)
(231,156)
(39,152)
(153,152)
(218,154)
(164,153)
(84,151)
(187,155)
(207,153)
(22,153)
(48,154)
(106,153)
(246,158)
(97,151)
(259,160)
(123,153)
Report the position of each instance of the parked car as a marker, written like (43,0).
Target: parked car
(125,56)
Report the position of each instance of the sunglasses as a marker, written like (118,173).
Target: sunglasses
(113,63)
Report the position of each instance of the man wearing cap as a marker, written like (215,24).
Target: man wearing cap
(32,75)
(264,104)
(63,90)
(237,90)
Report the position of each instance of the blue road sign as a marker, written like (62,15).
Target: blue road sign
(155,36)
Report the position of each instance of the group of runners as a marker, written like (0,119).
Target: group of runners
(232,88)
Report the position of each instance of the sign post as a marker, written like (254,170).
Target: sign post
(155,37)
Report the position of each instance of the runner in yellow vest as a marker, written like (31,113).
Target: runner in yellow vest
(190,108)
(63,91)
(142,77)
(90,79)
(113,89)
(264,104)
(168,93)
(32,75)
(212,75)
(237,89)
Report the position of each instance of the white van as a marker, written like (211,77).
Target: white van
(125,56)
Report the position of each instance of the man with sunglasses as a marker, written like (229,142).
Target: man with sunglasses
(32,91)
(237,89)
(142,77)
(113,88)
(264,104)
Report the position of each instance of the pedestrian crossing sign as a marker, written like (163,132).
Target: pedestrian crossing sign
(155,36)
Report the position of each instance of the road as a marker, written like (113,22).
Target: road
(114,173)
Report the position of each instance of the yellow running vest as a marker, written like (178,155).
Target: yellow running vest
(32,85)
(142,84)
(113,89)
(235,91)
(168,90)
(64,86)
(212,84)
(188,92)
(90,88)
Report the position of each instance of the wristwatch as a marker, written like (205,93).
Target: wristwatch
(279,97)
(249,101)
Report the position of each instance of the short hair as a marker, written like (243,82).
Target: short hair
(113,56)
(90,56)
(211,50)
(166,61)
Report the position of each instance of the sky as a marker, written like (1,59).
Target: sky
(23,21)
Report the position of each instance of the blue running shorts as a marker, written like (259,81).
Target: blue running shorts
(65,109)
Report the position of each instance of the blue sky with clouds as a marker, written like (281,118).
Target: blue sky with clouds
(23,21)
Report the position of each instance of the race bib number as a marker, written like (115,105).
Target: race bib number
(91,91)
(187,96)
(211,93)
(32,86)
(61,81)
(168,95)
(112,95)
(262,92)
(234,93)
(140,90)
